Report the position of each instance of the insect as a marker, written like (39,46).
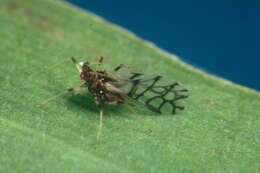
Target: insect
(117,86)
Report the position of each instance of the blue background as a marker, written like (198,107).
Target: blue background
(219,36)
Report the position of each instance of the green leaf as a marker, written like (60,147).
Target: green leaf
(217,132)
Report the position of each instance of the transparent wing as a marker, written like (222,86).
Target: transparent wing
(157,93)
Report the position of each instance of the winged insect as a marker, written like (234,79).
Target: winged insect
(117,86)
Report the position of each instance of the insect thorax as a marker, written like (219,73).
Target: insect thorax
(99,84)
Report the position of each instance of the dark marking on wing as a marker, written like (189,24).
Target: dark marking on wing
(154,94)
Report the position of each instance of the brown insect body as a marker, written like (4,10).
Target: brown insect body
(116,87)
(99,83)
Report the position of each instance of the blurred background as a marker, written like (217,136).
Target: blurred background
(219,36)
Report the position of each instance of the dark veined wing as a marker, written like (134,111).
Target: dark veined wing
(157,93)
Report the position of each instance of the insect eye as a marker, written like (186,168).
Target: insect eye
(81,63)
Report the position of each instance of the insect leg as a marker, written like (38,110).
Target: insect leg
(134,111)
(60,94)
(100,125)
(99,62)
(126,68)
(138,118)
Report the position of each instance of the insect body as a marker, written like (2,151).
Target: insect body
(114,87)
(99,83)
